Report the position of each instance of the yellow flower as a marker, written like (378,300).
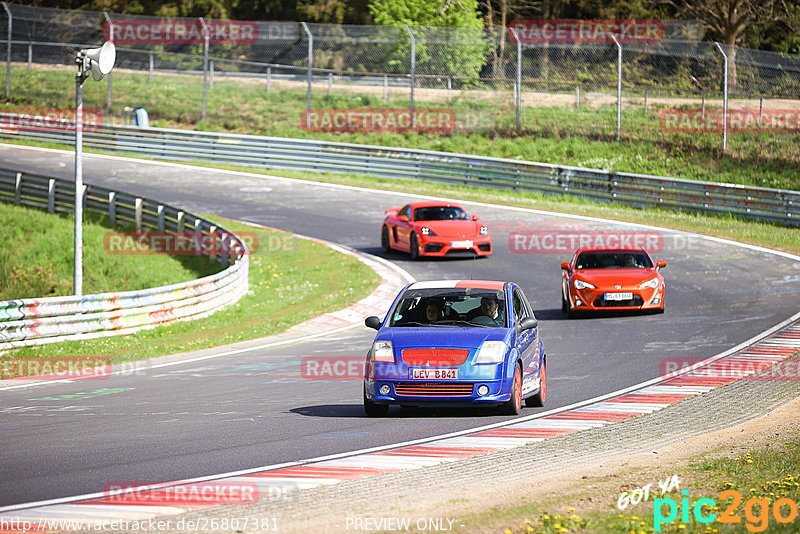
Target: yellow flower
(508,531)
(528,521)
(572,508)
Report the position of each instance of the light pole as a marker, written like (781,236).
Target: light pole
(99,61)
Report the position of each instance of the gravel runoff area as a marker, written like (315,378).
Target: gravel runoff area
(740,414)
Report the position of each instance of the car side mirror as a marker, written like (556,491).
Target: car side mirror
(565,266)
(475,217)
(403,218)
(660,264)
(373,322)
(528,323)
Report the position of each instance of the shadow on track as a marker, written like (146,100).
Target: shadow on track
(402,412)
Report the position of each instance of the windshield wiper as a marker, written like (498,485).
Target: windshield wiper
(468,323)
(415,323)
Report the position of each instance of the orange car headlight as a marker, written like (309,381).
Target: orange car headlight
(580,284)
(653,283)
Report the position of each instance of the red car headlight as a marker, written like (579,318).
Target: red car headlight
(580,284)
(653,283)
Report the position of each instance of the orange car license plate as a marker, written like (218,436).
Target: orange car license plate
(618,296)
(434,374)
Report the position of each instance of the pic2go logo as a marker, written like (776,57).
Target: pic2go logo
(756,511)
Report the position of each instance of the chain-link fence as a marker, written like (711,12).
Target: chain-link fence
(286,78)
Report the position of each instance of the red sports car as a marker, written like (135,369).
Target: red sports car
(611,279)
(434,229)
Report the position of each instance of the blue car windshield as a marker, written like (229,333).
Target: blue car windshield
(439,213)
(613,260)
(436,307)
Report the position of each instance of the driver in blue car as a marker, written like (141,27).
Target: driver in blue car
(489,308)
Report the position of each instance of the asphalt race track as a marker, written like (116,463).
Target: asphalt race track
(254,409)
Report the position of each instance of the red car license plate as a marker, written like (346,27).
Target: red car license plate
(434,374)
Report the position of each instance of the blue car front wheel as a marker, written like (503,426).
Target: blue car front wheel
(514,404)
(373,409)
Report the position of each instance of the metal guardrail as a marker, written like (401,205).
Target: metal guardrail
(637,190)
(47,320)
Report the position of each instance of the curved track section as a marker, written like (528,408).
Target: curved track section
(255,409)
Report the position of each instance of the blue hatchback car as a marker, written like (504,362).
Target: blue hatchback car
(456,343)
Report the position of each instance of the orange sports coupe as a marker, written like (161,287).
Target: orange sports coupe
(611,279)
(434,229)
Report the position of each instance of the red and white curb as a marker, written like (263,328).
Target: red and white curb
(277,482)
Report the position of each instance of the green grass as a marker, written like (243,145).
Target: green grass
(770,473)
(291,280)
(37,260)
(562,135)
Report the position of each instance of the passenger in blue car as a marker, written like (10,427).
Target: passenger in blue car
(433,312)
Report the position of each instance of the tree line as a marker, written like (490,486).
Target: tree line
(762,24)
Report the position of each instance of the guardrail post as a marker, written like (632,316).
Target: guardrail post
(150,68)
(18,189)
(269,80)
(619,85)
(8,49)
(179,221)
(161,213)
(577,96)
(30,55)
(213,254)
(51,196)
(309,72)
(413,69)
(724,98)
(210,74)
(137,213)
(205,68)
(112,208)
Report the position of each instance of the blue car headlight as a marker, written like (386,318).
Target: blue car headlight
(383,351)
(491,352)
